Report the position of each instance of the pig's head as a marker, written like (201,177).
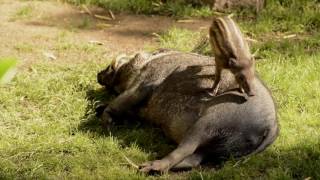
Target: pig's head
(107,77)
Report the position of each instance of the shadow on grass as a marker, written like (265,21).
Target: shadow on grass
(301,161)
(298,162)
(128,131)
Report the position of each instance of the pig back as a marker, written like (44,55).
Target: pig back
(182,97)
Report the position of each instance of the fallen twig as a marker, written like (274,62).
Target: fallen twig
(218,13)
(86,9)
(111,15)
(96,42)
(102,17)
(104,25)
(251,40)
(156,35)
(289,36)
(185,21)
(130,162)
(50,55)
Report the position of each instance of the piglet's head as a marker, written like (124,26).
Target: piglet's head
(244,74)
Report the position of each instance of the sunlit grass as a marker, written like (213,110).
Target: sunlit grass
(174,8)
(24,12)
(7,69)
(49,129)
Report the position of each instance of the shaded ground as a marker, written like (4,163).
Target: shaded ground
(31,29)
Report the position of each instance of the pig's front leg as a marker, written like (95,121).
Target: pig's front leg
(124,102)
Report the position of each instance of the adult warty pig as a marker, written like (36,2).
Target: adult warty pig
(170,89)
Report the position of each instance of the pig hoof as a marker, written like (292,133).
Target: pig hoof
(99,109)
(212,93)
(154,167)
(106,120)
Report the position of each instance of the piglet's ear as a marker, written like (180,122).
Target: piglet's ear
(233,63)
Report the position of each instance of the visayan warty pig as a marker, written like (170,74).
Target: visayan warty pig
(170,90)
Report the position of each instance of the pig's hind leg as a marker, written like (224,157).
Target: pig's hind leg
(189,162)
(185,153)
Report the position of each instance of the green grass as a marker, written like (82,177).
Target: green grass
(7,69)
(179,39)
(23,47)
(24,12)
(174,8)
(49,130)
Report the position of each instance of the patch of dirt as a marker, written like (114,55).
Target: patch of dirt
(45,27)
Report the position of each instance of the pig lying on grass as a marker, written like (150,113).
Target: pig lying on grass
(169,89)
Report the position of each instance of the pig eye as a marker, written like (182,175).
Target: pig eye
(241,77)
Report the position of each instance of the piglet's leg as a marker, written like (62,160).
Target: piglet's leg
(216,83)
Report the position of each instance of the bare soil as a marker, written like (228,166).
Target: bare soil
(28,35)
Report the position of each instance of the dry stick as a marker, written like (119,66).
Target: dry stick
(112,15)
(185,21)
(251,40)
(289,36)
(102,17)
(130,162)
(104,25)
(96,42)
(87,9)
(218,13)
(156,35)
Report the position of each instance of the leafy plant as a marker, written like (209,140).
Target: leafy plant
(7,69)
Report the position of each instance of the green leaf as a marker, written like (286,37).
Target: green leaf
(7,69)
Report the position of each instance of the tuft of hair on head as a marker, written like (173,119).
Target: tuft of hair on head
(119,61)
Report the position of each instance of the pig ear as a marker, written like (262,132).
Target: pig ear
(118,61)
(233,63)
(112,64)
